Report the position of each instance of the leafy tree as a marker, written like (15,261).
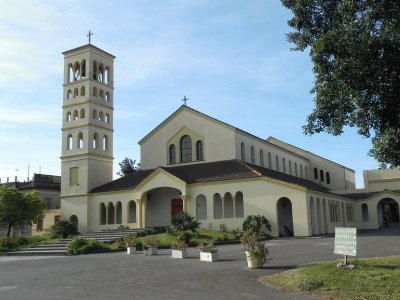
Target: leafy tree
(17,208)
(128,166)
(355,49)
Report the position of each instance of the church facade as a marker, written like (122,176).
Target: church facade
(195,163)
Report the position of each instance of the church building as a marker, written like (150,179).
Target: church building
(195,163)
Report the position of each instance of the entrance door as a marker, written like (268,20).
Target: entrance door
(176,206)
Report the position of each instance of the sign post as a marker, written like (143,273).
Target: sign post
(345,242)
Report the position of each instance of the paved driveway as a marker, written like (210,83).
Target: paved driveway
(122,276)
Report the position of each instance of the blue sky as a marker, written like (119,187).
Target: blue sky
(230,58)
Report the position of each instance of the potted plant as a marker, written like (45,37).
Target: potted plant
(150,245)
(208,252)
(256,252)
(179,249)
(131,244)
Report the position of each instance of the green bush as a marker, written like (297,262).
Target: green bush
(80,245)
(257,224)
(8,244)
(63,229)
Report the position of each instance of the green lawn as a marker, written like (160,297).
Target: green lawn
(372,279)
(16,243)
(204,235)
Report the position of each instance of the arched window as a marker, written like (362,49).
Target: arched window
(80,140)
(77,71)
(94,92)
(107,96)
(69,142)
(75,115)
(228,206)
(172,154)
(295,169)
(301,171)
(107,118)
(69,94)
(69,117)
(94,114)
(253,158)
(364,210)
(321,175)
(290,167)
(242,151)
(217,201)
(101,94)
(107,75)
(269,160)
(239,207)
(111,213)
(199,150)
(315,173)
(201,207)
(94,142)
(75,92)
(186,149)
(82,113)
(328,178)
(94,71)
(261,158)
(132,212)
(277,162)
(70,73)
(83,68)
(306,171)
(101,116)
(283,165)
(102,214)
(82,91)
(100,75)
(105,143)
(118,208)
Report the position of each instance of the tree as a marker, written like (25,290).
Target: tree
(128,166)
(17,208)
(355,49)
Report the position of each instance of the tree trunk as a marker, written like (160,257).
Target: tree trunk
(9,229)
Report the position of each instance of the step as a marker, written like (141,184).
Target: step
(41,252)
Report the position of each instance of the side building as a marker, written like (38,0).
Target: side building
(48,188)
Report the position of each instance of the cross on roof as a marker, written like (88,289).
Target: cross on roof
(89,35)
(184,100)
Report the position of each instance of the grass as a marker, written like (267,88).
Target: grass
(17,243)
(372,279)
(203,236)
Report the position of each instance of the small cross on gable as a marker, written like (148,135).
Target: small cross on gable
(184,100)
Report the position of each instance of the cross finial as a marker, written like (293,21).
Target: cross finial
(184,100)
(89,35)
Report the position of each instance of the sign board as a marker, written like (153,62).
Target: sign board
(345,241)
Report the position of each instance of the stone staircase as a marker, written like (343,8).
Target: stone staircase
(60,247)
(110,235)
(55,248)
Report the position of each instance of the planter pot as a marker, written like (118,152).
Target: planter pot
(130,250)
(179,253)
(209,256)
(150,251)
(254,262)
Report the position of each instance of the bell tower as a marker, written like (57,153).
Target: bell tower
(87,122)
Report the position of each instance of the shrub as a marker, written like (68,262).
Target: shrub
(257,224)
(178,245)
(150,242)
(63,229)
(80,245)
(8,243)
(122,227)
(184,225)
(207,247)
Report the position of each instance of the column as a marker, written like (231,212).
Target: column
(185,199)
(139,215)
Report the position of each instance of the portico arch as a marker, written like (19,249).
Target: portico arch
(388,212)
(161,204)
(285,217)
